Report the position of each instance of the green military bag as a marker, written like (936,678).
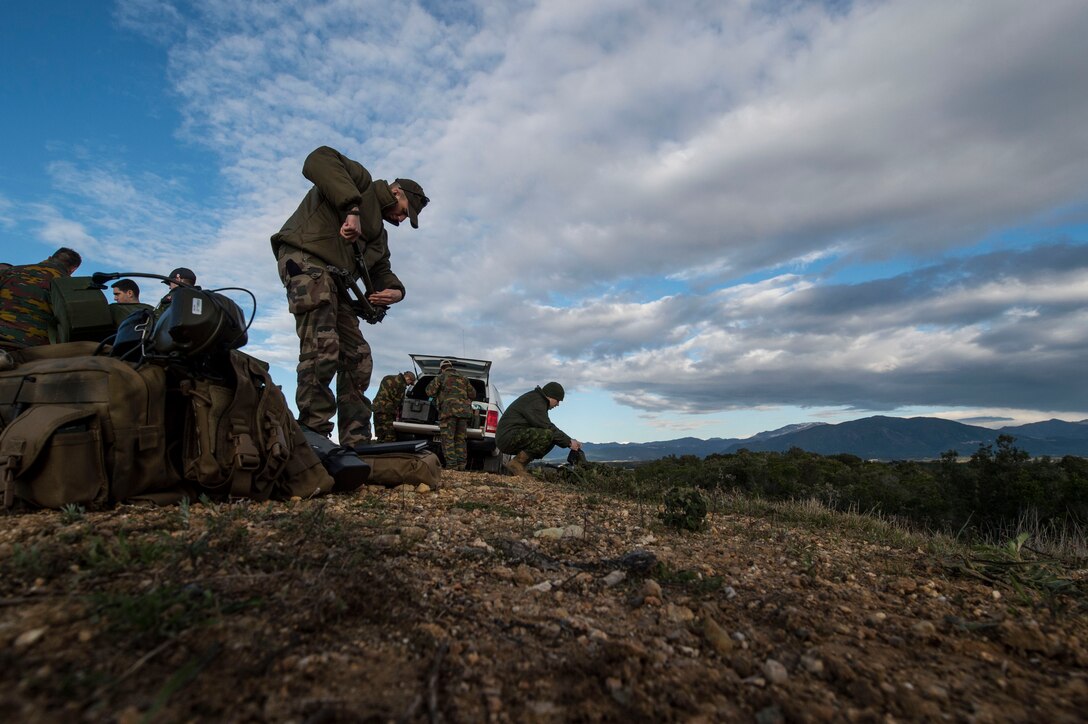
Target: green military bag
(87,429)
(83,429)
(80,310)
(401,468)
(240,438)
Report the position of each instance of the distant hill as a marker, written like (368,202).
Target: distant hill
(878,437)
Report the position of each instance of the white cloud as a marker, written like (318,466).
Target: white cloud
(646,198)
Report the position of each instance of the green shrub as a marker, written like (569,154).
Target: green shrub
(685,509)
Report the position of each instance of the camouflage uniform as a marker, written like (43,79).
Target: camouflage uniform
(315,265)
(330,344)
(387,404)
(536,442)
(454,395)
(25,308)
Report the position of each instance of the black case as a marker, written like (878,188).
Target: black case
(412,410)
(347,470)
(400,446)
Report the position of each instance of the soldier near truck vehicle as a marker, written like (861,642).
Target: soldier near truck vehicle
(453,395)
(25,307)
(526,432)
(334,239)
(387,404)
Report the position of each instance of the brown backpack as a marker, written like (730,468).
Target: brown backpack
(89,429)
(240,437)
(80,428)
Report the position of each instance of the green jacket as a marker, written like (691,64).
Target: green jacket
(340,184)
(121,310)
(529,410)
(453,394)
(25,307)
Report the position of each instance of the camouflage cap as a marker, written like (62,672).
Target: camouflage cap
(417,200)
(445,364)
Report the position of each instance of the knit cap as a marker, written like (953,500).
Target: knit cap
(553,390)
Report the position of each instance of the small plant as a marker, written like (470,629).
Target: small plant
(157,612)
(122,552)
(184,512)
(685,509)
(71,513)
(693,581)
(471,505)
(164,610)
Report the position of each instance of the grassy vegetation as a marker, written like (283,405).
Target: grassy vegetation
(1001,517)
(996,495)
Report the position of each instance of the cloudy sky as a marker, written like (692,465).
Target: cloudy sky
(703,218)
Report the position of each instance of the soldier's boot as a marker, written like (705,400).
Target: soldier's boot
(517,464)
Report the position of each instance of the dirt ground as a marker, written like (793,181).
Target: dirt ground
(495,599)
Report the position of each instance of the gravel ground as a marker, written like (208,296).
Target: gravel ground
(497,599)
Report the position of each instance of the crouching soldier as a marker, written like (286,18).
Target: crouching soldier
(526,432)
(453,394)
(387,404)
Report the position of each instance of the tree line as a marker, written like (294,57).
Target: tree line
(993,488)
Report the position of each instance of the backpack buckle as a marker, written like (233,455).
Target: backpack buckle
(246,454)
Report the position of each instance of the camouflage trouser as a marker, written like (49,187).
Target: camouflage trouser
(454,442)
(536,442)
(330,344)
(383,424)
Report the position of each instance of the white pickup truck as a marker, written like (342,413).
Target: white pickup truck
(418,417)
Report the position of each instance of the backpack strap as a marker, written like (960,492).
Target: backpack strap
(247,459)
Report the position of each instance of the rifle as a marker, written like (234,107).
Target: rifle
(361,306)
(372,314)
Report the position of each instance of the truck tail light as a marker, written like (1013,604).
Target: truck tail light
(492,423)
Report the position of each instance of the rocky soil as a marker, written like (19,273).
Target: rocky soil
(495,599)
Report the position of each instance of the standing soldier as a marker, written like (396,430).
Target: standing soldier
(335,239)
(454,395)
(25,307)
(387,404)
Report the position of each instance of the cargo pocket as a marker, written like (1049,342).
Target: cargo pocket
(308,286)
(204,460)
(53,455)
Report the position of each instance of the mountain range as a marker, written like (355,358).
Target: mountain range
(872,438)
